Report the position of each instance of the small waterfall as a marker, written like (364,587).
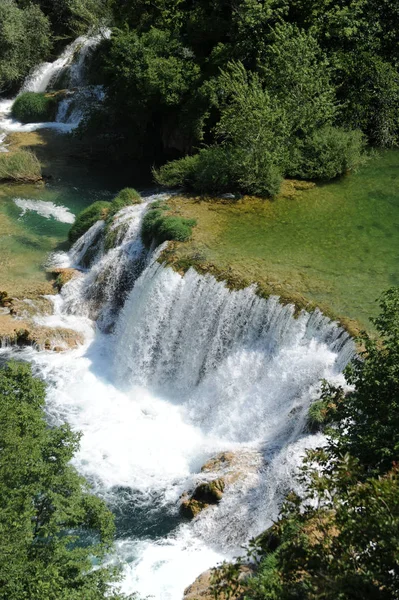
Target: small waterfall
(102,290)
(72,65)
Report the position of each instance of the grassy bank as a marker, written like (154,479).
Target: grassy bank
(20,166)
(335,245)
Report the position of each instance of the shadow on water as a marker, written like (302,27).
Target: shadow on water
(140,516)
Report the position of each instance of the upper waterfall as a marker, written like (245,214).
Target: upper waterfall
(71,63)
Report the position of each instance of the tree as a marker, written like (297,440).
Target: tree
(52,528)
(25,41)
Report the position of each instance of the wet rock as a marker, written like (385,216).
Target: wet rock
(227,468)
(21,332)
(204,586)
(204,495)
(63,275)
(201,588)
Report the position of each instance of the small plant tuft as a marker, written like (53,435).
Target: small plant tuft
(98,211)
(21,165)
(126,197)
(159,227)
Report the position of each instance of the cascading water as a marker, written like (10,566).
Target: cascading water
(191,369)
(72,64)
(100,292)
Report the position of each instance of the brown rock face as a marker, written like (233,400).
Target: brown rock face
(228,468)
(200,589)
(204,586)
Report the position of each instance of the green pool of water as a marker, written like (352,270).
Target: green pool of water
(27,239)
(336,244)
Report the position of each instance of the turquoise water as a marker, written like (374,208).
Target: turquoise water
(26,238)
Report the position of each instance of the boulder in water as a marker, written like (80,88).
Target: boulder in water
(204,495)
(229,468)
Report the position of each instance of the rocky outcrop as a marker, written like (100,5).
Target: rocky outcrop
(221,472)
(204,495)
(63,275)
(205,585)
(18,326)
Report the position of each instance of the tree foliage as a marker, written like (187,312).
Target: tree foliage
(25,40)
(52,527)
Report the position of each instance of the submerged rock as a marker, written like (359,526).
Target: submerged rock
(229,467)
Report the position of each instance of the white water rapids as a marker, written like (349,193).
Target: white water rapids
(187,369)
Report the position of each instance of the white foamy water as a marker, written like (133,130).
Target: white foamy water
(191,369)
(46,209)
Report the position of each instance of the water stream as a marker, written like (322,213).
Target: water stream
(79,95)
(177,369)
(174,370)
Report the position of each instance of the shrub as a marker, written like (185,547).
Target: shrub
(32,107)
(328,153)
(21,165)
(95,212)
(178,173)
(126,197)
(221,169)
(159,227)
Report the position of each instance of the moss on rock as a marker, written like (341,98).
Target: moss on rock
(98,211)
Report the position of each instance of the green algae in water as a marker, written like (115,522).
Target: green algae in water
(336,244)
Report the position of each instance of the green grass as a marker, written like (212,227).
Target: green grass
(336,245)
(158,226)
(85,219)
(33,107)
(20,166)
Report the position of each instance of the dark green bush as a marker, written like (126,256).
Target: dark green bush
(95,212)
(32,107)
(159,227)
(220,169)
(328,153)
(178,173)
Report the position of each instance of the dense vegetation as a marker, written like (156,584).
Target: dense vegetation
(341,538)
(52,528)
(245,93)
(250,91)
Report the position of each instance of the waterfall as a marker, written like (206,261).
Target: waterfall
(108,274)
(71,64)
(188,370)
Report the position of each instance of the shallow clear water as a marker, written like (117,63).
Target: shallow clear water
(32,224)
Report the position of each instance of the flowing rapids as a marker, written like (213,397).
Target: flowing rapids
(72,66)
(180,369)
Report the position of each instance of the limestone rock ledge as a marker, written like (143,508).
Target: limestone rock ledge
(18,327)
(203,587)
